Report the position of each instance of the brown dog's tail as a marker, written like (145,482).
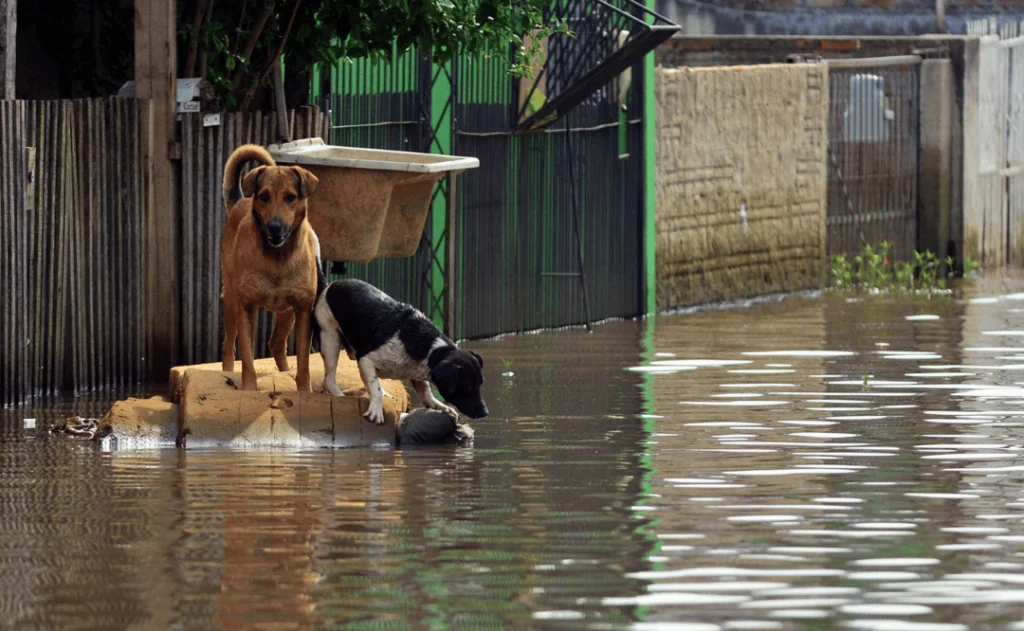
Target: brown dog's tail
(231,189)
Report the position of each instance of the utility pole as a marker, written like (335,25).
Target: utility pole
(940,14)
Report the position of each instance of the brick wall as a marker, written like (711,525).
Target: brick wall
(741,159)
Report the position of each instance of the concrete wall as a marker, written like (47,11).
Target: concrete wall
(947,102)
(731,50)
(741,181)
(828,17)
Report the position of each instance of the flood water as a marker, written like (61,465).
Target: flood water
(810,463)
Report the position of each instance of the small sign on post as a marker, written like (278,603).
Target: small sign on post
(30,178)
(187,95)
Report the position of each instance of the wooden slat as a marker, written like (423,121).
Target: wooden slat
(79,311)
(204,152)
(10,209)
(8,52)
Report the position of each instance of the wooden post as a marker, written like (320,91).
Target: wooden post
(8,40)
(156,81)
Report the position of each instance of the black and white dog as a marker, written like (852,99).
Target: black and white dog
(393,340)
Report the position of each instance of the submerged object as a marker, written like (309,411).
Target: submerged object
(431,427)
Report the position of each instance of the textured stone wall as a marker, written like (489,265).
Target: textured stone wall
(741,159)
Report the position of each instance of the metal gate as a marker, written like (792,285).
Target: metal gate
(994,205)
(873,152)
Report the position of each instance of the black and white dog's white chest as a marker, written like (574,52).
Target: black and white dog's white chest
(392,361)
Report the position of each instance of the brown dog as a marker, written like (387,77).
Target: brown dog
(269,257)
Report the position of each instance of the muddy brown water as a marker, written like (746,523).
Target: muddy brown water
(725,469)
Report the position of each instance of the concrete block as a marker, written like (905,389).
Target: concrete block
(316,419)
(142,423)
(209,410)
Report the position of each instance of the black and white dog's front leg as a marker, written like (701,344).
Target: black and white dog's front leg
(375,412)
(330,347)
(426,395)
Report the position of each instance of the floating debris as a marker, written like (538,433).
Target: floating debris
(79,427)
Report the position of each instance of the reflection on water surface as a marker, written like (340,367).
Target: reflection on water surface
(803,464)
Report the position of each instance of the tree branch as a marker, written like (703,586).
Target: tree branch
(251,92)
(238,27)
(198,19)
(261,22)
(283,129)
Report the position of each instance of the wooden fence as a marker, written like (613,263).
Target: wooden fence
(206,143)
(994,160)
(14,377)
(73,266)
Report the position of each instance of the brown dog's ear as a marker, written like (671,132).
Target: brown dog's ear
(307,182)
(251,181)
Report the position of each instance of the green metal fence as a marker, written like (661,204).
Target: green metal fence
(552,229)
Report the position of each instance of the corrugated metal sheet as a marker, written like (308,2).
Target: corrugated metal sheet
(14,380)
(74,315)
(204,150)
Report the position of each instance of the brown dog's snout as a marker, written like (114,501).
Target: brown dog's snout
(277,231)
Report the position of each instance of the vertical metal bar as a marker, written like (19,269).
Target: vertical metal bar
(645,89)
(574,202)
(450,271)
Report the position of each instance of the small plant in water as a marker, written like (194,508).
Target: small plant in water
(970,266)
(874,270)
(507,373)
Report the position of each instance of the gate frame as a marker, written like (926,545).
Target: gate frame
(851,214)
